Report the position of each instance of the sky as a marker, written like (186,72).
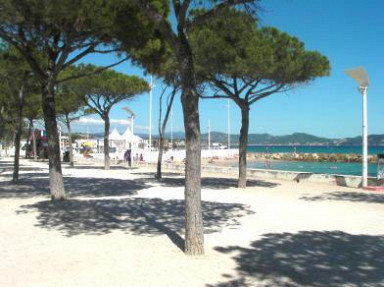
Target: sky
(350,33)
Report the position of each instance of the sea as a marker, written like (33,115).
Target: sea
(341,168)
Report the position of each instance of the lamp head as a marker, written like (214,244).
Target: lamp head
(129,111)
(362,89)
(359,75)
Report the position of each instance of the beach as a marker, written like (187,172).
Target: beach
(121,227)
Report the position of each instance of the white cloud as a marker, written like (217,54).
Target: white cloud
(89,121)
(92,121)
(120,122)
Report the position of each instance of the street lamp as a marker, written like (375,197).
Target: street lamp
(209,135)
(132,116)
(171,128)
(361,77)
(151,86)
(229,125)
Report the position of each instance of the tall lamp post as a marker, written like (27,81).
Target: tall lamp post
(209,135)
(361,77)
(229,125)
(151,86)
(132,116)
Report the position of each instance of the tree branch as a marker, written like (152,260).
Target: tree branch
(258,97)
(66,48)
(90,49)
(24,51)
(182,15)
(222,87)
(163,26)
(99,70)
(202,18)
(215,97)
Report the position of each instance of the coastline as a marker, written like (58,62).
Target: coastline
(313,157)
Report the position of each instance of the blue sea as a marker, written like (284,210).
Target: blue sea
(342,168)
(316,149)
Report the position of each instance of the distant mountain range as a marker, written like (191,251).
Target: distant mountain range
(267,139)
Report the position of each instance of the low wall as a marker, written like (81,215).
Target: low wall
(340,180)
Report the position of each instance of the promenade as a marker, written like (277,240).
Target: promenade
(121,227)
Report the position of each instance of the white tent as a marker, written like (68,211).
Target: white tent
(125,141)
(115,135)
(116,140)
(132,141)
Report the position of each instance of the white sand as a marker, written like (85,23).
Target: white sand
(117,227)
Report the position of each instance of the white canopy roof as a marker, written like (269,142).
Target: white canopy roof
(115,135)
(127,135)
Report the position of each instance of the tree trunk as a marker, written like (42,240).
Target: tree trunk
(19,127)
(162,129)
(55,173)
(1,124)
(194,236)
(71,163)
(243,142)
(34,142)
(106,143)
(160,156)
(28,138)
(1,133)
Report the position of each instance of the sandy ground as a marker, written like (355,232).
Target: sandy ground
(123,228)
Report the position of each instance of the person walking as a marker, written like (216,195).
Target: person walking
(128,157)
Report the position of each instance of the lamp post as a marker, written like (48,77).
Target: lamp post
(171,128)
(59,128)
(361,77)
(229,125)
(132,116)
(209,135)
(151,86)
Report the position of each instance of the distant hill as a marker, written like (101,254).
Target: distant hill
(373,140)
(293,139)
(267,139)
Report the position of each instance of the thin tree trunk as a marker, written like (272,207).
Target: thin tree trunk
(28,138)
(106,143)
(243,142)
(160,156)
(55,173)
(162,130)
(1,124)
(71,163)
(19,127)
(1,133)
(194,235)
(34,142)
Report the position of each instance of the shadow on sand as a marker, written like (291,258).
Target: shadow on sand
(7,166)
(98,167)
(178,180)
(347,196)
(309,258)
(138,216)
(38,185)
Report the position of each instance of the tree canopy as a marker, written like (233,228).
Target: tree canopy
(231,48)
(53,35)
(102,91)
(245,63)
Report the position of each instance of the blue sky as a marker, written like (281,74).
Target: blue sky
(349,32)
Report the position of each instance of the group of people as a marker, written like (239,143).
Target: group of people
(128,157)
